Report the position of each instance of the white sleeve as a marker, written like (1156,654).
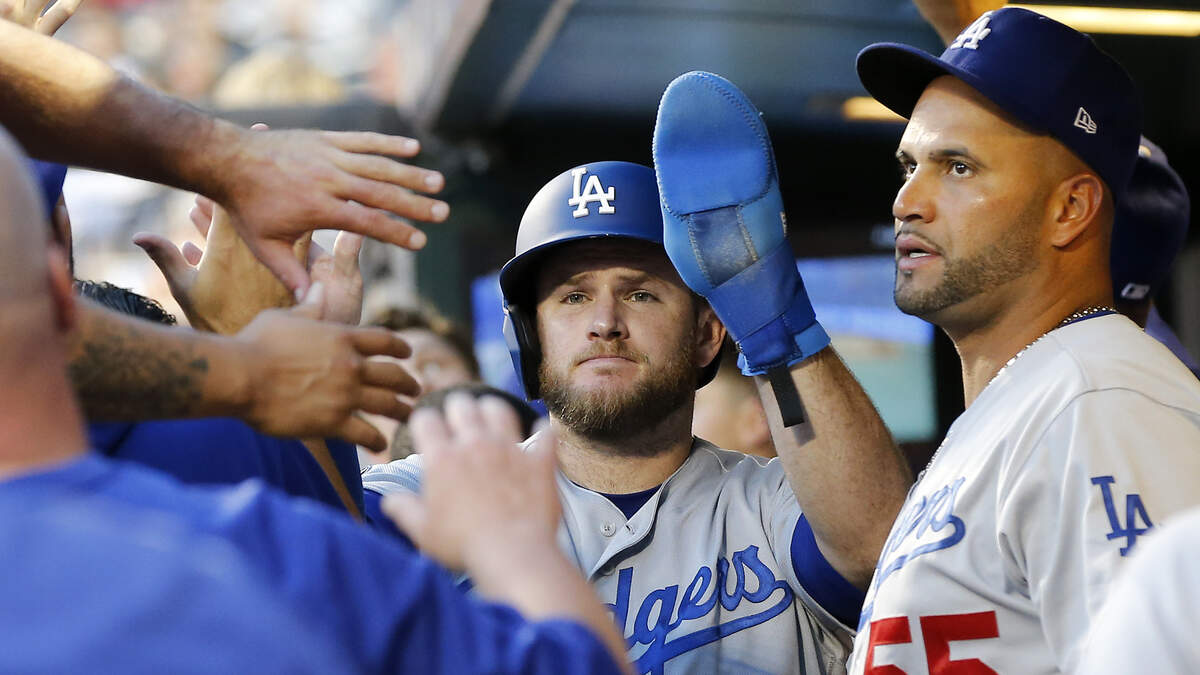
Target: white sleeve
(1072,508)
(1148,623)
(401,475)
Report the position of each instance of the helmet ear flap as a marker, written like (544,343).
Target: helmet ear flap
(520,334)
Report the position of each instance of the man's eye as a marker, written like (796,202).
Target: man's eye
(641,296)
(960,169)
(573,298)
(906,170)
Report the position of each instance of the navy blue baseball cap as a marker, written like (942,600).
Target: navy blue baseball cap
(1048,76)
(1149,227)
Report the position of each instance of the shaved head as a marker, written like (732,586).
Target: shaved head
(24,230)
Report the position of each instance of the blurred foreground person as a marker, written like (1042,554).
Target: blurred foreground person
(320,568)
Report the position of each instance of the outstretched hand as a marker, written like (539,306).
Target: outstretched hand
(222,287)
(42,16)
(311,378)
(491,509)
(279,185)
(481,494)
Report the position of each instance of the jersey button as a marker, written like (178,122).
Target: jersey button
(607,529)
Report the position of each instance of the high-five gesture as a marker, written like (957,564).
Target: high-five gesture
(43,16)
(65,105)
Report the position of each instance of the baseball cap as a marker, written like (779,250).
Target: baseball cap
(1150,225)
(1048,76)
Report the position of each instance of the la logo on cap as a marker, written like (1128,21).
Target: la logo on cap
(592,191)
(1084,121)
(969,38)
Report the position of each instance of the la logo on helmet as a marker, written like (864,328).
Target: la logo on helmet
(593,191)
(969,38)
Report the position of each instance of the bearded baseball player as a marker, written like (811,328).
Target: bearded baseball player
(711,561)
(1081,433)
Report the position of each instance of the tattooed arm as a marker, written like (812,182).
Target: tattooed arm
(284,374)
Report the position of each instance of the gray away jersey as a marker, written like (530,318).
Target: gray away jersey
(700,579)
(1007,545)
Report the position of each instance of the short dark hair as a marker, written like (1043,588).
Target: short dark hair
(424,317)
(124,301)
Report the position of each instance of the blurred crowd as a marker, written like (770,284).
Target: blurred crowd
(223,55)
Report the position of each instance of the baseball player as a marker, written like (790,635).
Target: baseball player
(1150,223)
(1081,432)
(711,561)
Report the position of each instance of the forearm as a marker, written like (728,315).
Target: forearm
(542,584)
(66,105)
(129,369)
(842,464)
(951,17)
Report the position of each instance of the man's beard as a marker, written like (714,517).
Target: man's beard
(611,414)
(962,279)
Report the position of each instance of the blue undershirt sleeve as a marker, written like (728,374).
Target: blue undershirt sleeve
(823,583)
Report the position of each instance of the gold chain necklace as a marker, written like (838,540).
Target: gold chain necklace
(1078,315)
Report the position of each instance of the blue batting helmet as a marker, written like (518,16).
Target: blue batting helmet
(601,200)
(1150,226)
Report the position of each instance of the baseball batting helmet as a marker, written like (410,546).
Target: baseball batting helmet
(1150,226)
(602,200)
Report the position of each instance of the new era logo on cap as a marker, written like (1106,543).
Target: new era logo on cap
(1084,121)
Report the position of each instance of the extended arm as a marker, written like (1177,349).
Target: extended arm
(67,106)
(724,231)
(848,474)
(285,374)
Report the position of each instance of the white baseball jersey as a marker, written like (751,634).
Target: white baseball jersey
(1148,624)
(700,578)
(1007,544)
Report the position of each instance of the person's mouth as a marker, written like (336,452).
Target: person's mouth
(913,252)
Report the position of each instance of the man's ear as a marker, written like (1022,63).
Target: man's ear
(1077,205)
(62,287)
(710,334)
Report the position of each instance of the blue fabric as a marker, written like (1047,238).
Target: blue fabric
(227,451)
(92,586)
(49,177)
(391,610)
(823,583)
(723,224)
(1159,330)
(632,502)
(374,516)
